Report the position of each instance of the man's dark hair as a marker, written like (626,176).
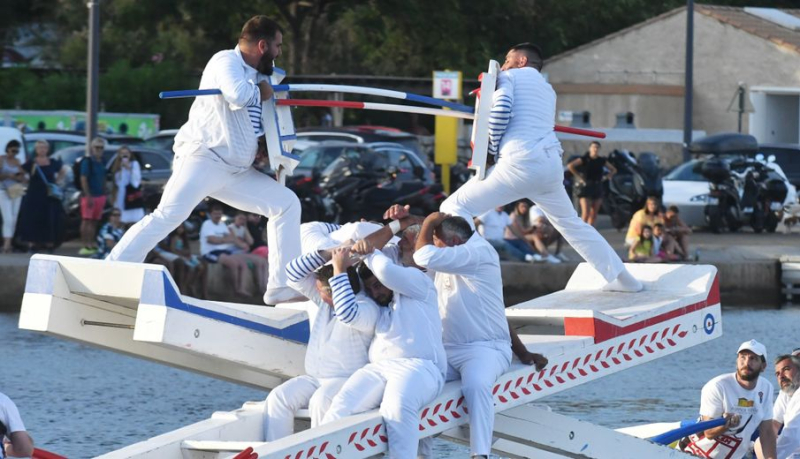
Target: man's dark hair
(13,144)
(259,28)
(532,52)
(594,142)
(454,226)
(214,207)
(325,273)
(793,358)
(674,208)
(364,272)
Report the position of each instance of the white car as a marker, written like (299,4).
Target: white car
(686,188)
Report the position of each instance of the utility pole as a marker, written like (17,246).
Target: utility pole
(93,71)
(741,105)
(687,84)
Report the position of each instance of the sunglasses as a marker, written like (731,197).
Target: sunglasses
(116,215)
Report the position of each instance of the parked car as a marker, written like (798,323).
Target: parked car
(64,139)
(685,187)
(156,170)
(787,155)
(163,140)
(364,134)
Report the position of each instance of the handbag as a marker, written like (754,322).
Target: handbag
(53,191)
(16,190)
(133,197)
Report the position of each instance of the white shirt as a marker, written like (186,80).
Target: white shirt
(789,439)
(335,350)
(9,416)
(209,228)
(220,125)
(409,327)
(723,394)
(493,225)
(533,110)
(779,409)
(321,235)
(535,214)
(470,291)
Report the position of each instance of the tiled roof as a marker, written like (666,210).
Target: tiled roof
(755,25)
(734,16)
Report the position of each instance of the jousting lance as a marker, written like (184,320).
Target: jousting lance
(457,110)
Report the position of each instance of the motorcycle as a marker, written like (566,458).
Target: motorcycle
(635,181)
(772,191)
(741,192)
(355,193)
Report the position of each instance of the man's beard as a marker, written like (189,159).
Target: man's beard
(752,376)
(790,388)
(265,65)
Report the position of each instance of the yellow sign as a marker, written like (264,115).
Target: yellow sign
(446,85)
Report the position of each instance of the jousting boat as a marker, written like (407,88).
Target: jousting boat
(137,309)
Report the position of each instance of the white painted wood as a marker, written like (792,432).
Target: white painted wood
(480,126)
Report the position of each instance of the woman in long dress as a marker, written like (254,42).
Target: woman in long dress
(127,170)
(41,216)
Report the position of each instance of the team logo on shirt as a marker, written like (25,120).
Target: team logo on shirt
(745,403)
(760,397)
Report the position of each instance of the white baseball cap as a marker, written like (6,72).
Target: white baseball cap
(755,347)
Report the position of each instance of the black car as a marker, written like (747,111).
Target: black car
(363,134)
(156,170)
(787,155)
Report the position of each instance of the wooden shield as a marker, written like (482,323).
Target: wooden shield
(480,126)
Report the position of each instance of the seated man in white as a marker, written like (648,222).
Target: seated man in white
(335,350)
(407,358)
(475,329)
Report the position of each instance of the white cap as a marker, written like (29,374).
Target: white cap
(755,347)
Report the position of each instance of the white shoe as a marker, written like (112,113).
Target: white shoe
(562,257)
(625,282)
(281,295)
(553,260)
(533,258)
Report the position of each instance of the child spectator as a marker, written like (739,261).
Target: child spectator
(243,242)
(257,225)
(641,250)
(193,280)
(109,234)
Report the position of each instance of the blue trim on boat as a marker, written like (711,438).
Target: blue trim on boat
(155,292)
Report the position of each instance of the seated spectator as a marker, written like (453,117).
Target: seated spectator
(664,246)
(679,231)
(109,234)
(244,242)
(544,235)
(18,443)
(189,271)
(217,245)
(648,215)
(257,226)
(492,226)
(641,250)
(519,225)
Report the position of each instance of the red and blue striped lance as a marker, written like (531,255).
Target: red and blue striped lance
(456,110)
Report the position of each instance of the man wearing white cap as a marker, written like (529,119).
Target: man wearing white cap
(744,399)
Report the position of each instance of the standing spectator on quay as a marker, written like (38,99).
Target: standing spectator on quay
(744,399)
(109,234)
(18,443)
(648,215)
(127,196)
(589,171)
(217,245)
(519,226)
(12,187)
(93,195)
(41,216)
(492,226)
(244,241)
(678,230)
(257,226)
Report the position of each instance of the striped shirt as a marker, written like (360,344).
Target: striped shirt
(498,119)
(335,349)
(255,119)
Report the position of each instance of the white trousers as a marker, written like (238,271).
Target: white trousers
(479,365)
(297,393)
(196,176)
(401,387)
(538,176)
(9,209)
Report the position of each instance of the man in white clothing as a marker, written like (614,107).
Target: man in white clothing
(492,226)
(214,155)
(407,358)
(335,350)
(475,329)
(744,399)
(14,440)
(529,164)
(787,407)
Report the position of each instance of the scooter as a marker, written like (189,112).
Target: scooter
(629,188)
(734,197)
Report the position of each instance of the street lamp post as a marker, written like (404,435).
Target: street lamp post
(687,84)
(92,71)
